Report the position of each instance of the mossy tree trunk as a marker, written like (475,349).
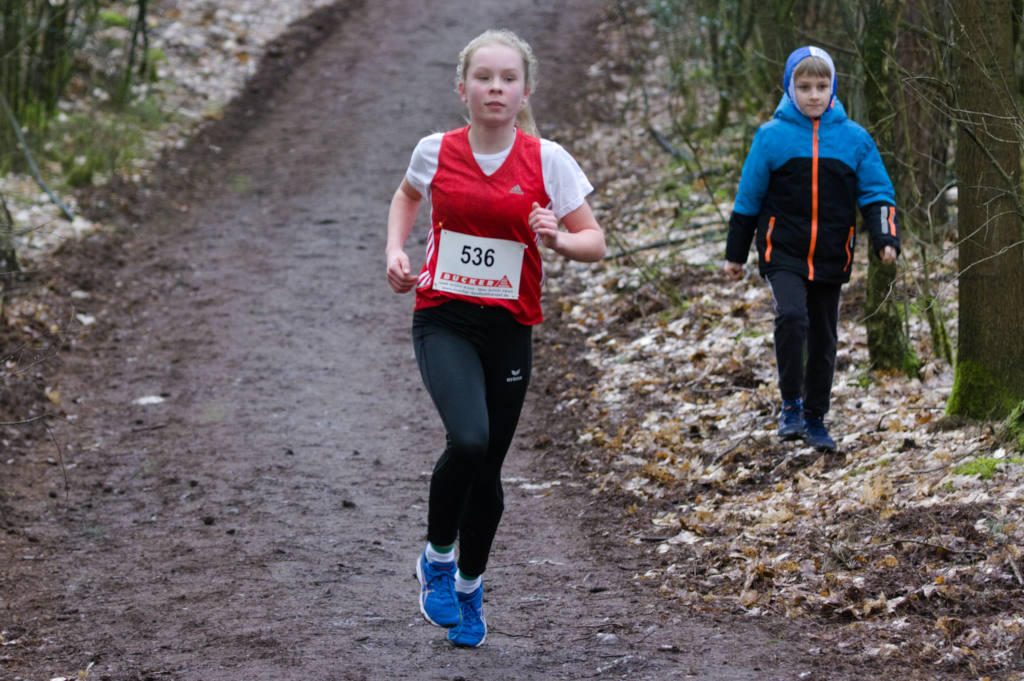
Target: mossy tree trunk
(888,344)
(989,374)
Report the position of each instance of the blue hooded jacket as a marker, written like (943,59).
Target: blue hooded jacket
(800,188)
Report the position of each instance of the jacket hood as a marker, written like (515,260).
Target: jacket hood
(797,56)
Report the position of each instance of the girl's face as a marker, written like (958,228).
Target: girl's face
(494,89)
(812,94)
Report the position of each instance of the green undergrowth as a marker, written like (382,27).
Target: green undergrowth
(985,467)
(95,123)
(1012,429)
(86,147)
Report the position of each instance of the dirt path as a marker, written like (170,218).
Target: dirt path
(262,521)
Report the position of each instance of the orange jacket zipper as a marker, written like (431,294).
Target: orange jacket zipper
(849,250)
(814,201)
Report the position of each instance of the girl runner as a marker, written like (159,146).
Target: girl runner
(496,191)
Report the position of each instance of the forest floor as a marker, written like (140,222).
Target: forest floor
(229,481)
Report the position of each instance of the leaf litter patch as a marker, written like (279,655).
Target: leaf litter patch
(904,545)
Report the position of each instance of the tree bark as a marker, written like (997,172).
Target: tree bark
(989,373)
(888,344)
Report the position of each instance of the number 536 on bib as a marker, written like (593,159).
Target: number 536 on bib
(478,266)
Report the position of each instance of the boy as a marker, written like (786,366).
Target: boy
(808,170)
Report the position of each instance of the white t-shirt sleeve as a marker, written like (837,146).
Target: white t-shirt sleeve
(423,164)
(564,180)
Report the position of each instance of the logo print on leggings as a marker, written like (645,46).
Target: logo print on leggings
(515,376)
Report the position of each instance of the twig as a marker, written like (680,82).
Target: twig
(1016,569)
(505,633)
(665,144)
(882,417)
(935,199)
(1010,182)
(795,456)
(939,547)
(740,440)
(526,563)
(60,459)
(25,422)
(650,277)
(660,243)
(944,467)
(922,471)
(725,388)
(142,429)
(878,427)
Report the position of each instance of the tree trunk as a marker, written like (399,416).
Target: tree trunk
(989,375)
(921,143)
(776,32)
(923,125)
(888,345)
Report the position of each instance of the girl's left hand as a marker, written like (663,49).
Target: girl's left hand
(545,225)
(887,255)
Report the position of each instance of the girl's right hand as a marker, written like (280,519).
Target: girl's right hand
(400,276)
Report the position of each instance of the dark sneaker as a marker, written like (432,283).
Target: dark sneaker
(437,592)
(472,630)
(791,420)
(816,435)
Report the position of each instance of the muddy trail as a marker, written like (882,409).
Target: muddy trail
(258,516)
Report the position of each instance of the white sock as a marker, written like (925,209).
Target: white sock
(435,556)
(466,586)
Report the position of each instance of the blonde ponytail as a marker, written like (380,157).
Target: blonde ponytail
(524,119)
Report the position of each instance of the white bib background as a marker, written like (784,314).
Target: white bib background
(478,266)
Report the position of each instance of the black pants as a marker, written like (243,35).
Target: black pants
(475,362)
(806,318)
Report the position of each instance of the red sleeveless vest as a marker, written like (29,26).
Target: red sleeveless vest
(464,199)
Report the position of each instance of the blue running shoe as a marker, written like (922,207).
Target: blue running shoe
(791,420)
(437,592)
(472,630)
(816,435)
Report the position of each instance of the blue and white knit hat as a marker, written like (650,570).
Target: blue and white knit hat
(797,56)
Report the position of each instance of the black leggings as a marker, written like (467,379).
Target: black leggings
(806,317)
(475,362)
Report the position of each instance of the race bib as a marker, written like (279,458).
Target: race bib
(478,266)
